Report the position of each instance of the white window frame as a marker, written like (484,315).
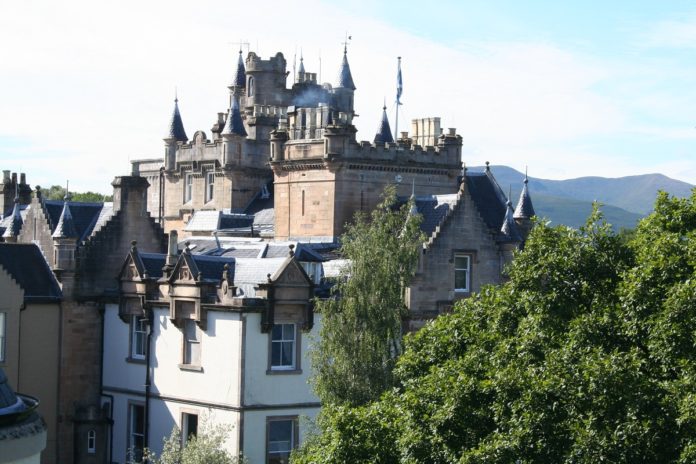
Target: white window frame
(132,434)
(188,187)
(91,441)
(276,455)
(3,335)
(191,343)
(466,269)
(209,186)
(138,328)
(284,344)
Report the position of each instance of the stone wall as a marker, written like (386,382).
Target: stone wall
(464,231)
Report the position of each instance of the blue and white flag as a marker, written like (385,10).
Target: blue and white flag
(399,84)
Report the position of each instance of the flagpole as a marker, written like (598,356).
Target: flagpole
(398,99)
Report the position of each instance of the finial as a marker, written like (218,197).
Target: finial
(345,44)
(133,244)
(67,196)
(292,249)
(176,92)
(526,179)
(188,247)
(16,198)
(199,277)
(465,168)
(268,276)
(488,166)
(384,105)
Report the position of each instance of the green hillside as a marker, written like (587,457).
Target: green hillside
(635,194)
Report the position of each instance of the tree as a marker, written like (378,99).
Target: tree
(207,447)
(56,192)
(360,336)
(587,354)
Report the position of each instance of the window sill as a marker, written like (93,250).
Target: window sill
(190,367)
(133,360)
(283,371)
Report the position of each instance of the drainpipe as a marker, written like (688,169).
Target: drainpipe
(150,321)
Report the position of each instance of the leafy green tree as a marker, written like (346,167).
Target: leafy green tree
(207,447)
(361,332)
(56,192)
(587,354)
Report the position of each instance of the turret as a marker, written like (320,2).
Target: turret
(384,134)
(232,134)
(176,134)
(345,89)
(278,139)
(65,239)
(525,210)
(16,222)
(238,83)
(300,71)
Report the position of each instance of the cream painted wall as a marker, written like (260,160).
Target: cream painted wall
(262,388)
(12,298)
(117,371)
(219,380)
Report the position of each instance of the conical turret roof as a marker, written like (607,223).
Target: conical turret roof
(66,224)
(234,124)
(176,126)
(345,79)
(509,228)
(239,76)
(301,68)
(384,134)
(525,209)
(15,225)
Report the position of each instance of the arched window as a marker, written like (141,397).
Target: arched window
(250,87)
(92,441)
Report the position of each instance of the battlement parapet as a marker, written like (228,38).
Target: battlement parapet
(276,63)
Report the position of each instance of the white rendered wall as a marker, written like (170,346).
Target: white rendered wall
(218,381)
(261,388)
(118,373)
(119,443)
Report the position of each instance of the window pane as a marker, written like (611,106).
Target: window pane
(461,262)
(288,331)
(281,432)
(275,354)
(277,333)
(460,280)
(287,353)
(137,414)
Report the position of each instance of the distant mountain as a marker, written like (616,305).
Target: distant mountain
(625,199)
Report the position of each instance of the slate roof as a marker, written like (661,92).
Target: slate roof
(9,402)
(209,221)
(176,125)
(239,76)
(488,198)
(234,124)
(153,262)
(384,134)
(86,217)
(65,227)
(508,230)
(345,79)
(27,266)
(251,272)
(261,207)
(524,209)
(211,267)
(14,221)
(434,208)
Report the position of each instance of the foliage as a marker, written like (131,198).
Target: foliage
(587,354)
(360,336)
(56,192)
(205,448)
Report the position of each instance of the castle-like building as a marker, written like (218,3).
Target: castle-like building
(158,334)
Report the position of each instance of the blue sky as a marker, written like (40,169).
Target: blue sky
(566,88)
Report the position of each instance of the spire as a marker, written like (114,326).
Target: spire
(301,69)
(239,76)
(176,126)
(15,225)
(525,209)
(509,228)
(384,134)
(66,225)
(234,124)
(345,79)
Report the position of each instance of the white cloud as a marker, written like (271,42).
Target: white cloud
(91,83)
